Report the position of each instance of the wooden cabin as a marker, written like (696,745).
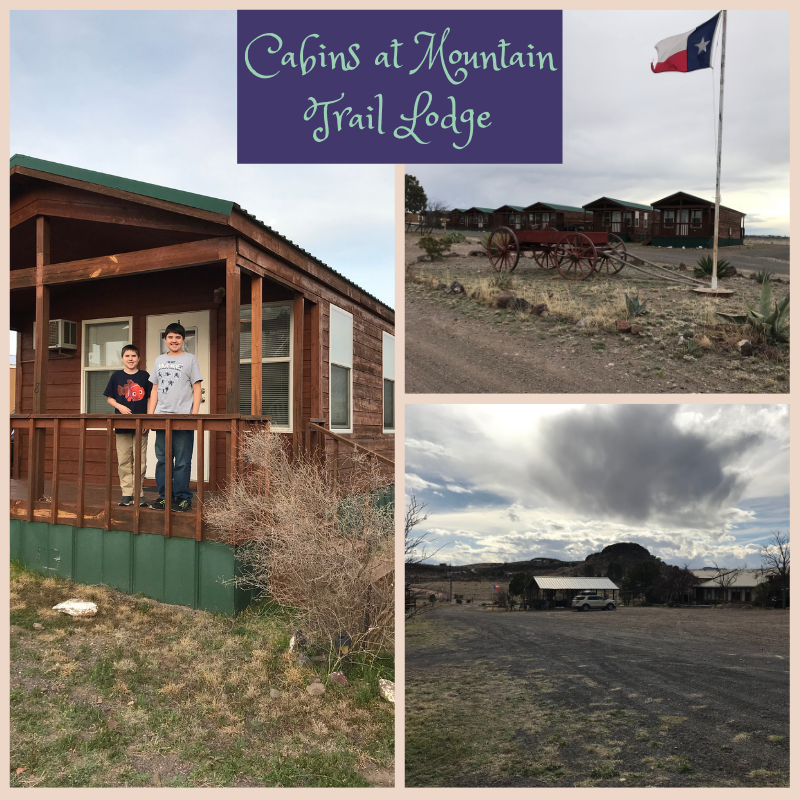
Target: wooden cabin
(98,261)
(688,221)
(479,218)
(630,221)
(457,218)
(509,216)
(540,216)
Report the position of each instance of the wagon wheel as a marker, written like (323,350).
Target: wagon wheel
(575,257)
(503,249)
(544,257)
(611,266)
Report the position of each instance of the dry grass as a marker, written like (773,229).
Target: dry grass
(149,694)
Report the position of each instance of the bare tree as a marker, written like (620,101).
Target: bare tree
(434,213)
(725,578)
(775,562)
(416,551)
(416,543)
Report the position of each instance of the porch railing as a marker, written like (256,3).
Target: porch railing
(36,507)
(316,438)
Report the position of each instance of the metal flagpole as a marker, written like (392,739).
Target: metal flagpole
(719,151)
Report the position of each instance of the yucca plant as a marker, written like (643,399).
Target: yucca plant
(772,322)
(762,276)
(635,308)
(705,267)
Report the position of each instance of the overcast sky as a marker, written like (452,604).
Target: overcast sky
(693,484)
(634,135)
(152,96)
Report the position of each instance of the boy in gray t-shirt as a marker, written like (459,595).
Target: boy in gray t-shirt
(176,379)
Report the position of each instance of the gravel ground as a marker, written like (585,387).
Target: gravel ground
(458,345)
(637,696)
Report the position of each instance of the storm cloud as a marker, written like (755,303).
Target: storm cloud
(691,483)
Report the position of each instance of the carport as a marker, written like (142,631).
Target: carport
(560,589)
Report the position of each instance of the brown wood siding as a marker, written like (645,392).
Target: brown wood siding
(177,290)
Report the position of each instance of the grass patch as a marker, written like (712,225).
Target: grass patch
(146,694)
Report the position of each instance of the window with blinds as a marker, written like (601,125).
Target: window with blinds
(101,356)
(276,362)
(341,369)
(388,382)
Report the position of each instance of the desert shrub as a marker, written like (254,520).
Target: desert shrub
(435,246)
(432,598)
(455,237)
(634,306)
(326,551)
(705,267)
(762,276)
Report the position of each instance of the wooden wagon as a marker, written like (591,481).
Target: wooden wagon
(575,255)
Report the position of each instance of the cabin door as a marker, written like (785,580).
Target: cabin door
(683,222)
(198,343)
(616,221)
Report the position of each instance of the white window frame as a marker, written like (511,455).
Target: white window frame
(287,304)
(635,219)
(85,368)
(699,212)
(669,217)
(386,377)
(334,309)
(645,220)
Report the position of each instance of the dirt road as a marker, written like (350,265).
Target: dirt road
(771,257)
(447,351)
(637,696)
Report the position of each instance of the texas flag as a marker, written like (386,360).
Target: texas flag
(687,52)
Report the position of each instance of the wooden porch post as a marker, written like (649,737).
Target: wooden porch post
(40,356)
(256,284)
(232,334)
(297,372)
(316,361)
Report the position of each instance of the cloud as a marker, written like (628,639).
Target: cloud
(458,489)
(414,482)
(689,482)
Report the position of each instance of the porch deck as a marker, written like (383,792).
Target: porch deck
(122,518)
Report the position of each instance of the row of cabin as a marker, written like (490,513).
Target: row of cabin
(98,261)
(671,221)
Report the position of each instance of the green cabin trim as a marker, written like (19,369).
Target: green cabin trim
(171,570)
(153,190)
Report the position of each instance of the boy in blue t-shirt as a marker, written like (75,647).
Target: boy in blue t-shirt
(128,391)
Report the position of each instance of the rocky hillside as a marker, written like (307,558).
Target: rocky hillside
(612,561)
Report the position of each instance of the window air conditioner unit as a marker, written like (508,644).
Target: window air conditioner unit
(62,335)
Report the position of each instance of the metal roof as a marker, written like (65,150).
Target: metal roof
(516,208)
(557,206)
(479,208)
(626,203)
(126,184)
(189,199)
(561,582)
(746,579)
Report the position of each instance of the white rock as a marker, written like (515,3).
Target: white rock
(386,689)
(76,608)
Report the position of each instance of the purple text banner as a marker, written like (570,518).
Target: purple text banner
(396,87)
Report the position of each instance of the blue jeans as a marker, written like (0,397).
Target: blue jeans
(182,448)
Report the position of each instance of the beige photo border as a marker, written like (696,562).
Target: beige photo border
(229,5)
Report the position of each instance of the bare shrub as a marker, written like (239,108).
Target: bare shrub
(325,550)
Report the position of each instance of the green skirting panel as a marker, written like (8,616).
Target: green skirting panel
(178,571)
(690,244)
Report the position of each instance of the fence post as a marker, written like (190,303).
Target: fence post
(54,487)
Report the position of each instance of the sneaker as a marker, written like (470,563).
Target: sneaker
(159,505)
(182,505)
(126,500)
(143,503)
